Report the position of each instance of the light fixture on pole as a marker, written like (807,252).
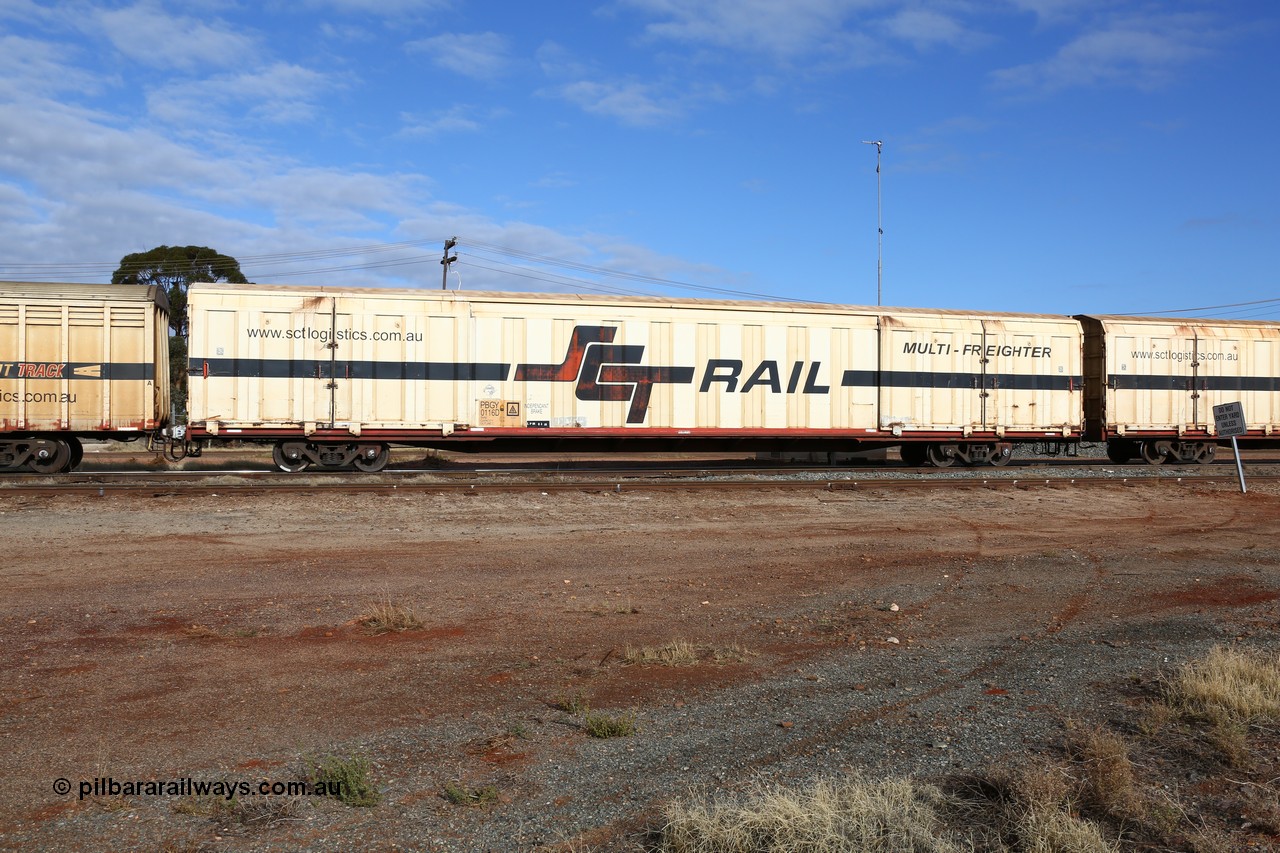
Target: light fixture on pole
(448,259)
(878,143)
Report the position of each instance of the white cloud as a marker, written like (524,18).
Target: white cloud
(782,29)
(1144,53)
(145,33)
(456,119)
(1057,10)
(817,36)
(925,28)
(31,67)
(632,103)
(336,199)
(382,8)
(555,181)
(479,55)
(558,63)
(26,10)
(74,189)
(278,93)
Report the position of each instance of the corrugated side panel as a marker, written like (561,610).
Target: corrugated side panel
(293,358)
(1167,375)
(950,373)
(631,366)
(410,360)
(415,361)
(81,358)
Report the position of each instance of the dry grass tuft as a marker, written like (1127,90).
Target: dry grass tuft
(682,653)
(1242,683)
(1031,808)
(601,725)
(253,811)
(1224,693)
(1108,783)
(386,616)
(1058,831)
(852,814)
(674,653)
(461,795)
(575,704)
(733,654)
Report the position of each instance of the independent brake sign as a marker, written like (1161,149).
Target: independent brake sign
(1228,419)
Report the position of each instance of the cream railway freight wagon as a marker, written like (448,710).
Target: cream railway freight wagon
(1153,383)
(79,361)
(332,377)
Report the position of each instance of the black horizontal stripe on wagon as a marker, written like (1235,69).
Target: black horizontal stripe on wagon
(960,381)
(1147,382)
(91,371)
(408,371)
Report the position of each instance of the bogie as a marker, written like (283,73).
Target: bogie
(295,456)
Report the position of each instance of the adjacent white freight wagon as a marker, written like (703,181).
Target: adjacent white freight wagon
(77,361)
(333,377)
(1153,383)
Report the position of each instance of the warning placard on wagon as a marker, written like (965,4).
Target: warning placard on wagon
(500,413)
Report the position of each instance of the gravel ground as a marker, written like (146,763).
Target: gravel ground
(882,633)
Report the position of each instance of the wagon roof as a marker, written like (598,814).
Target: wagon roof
(1177,321)
(73,291)
(674,302)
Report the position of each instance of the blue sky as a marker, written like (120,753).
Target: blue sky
(1057,156)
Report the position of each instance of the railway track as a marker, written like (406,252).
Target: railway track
(628,479)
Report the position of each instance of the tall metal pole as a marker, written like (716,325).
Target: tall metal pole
(879,144)
(448,259)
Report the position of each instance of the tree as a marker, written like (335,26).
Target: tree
(175,268)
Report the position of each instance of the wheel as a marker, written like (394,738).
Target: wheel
(77,453)
(53,457)
(1001,454)
(1151,453)
(288,457)
(939,456)
(372,464)
(1206,453)
(913,454)
(1120,451)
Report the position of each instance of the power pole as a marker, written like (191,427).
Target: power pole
(446,260)
(878,143)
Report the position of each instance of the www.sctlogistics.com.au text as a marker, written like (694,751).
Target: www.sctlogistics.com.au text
(228,789)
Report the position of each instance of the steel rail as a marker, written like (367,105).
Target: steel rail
(650,470)
(362,485)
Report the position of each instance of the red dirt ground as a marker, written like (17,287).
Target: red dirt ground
(161,637)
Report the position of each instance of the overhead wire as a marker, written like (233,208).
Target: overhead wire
(1274,302)
(534,268)
(606,271)
(509,261)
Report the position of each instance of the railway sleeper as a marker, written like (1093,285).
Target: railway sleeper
(294,456)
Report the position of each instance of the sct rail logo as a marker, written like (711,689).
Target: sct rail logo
(605,371)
